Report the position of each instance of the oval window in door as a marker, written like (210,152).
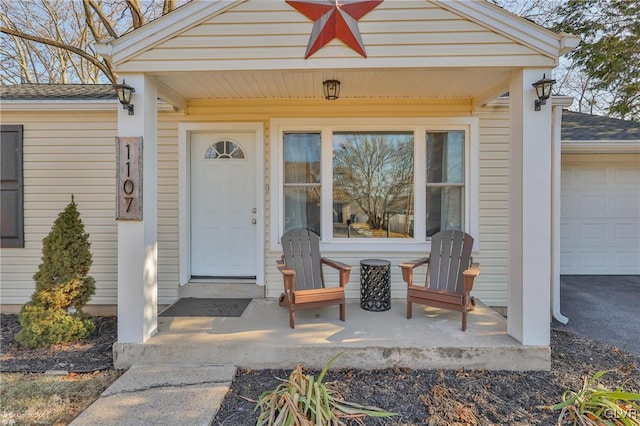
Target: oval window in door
(224,149)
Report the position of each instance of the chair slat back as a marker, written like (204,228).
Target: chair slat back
(450,256)
(301,248)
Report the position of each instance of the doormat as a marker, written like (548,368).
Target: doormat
(193,307)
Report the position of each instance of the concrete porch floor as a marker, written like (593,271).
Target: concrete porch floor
(261,338)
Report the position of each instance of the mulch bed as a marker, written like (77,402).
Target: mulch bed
(91,354)
(420,397)
(455,397)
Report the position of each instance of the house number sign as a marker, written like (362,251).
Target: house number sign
(129,178)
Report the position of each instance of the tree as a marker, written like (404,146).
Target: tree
(63,285)
(374,171)
(609,53)
(53,41)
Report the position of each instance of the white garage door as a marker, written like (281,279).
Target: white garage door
(600,226)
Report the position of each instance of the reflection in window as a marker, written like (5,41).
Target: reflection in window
(373,185)
(224,150)
(445,181)
(302,181)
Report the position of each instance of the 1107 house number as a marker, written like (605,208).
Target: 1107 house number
(129,178)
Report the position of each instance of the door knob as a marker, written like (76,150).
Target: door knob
(253,221)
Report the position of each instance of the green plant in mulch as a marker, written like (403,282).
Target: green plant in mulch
(596,405)
(304,400)
(54,313)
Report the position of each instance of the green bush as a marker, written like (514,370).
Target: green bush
(63,287)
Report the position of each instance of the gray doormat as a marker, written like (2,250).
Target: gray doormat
(192,307)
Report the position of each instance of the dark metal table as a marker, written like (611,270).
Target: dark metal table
(375,291)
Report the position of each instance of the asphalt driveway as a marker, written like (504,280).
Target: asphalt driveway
(605,308)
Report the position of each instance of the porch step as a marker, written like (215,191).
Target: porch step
(241,289)
(261,338)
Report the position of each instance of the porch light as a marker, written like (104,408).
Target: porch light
(331,89)
(543,90)
(124,95)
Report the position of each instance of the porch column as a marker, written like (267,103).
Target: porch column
(138,240)
(529,212)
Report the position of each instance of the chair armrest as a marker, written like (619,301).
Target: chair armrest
(344,269)
(337,265)
(470,275)
(288,275)
(408,267)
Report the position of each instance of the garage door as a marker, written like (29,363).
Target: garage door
(600,225)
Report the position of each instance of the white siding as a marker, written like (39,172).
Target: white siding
(273,35)
(65,154)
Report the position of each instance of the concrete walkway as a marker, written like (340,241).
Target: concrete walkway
(161,395)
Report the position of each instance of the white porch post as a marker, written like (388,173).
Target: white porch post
(529,212)
(138,240)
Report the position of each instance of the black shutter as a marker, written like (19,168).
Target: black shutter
(12,229)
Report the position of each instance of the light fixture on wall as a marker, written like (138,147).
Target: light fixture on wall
(124,95)
(543,90)
(331,89)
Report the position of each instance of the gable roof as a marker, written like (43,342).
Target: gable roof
(492,18)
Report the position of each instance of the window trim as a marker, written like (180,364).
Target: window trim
(420,126)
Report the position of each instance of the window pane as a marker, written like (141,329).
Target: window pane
(445,157)
(301,158)
(373,184)
(302,208)
(444,209)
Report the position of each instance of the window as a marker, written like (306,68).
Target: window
(302,181)
(445,181)
(393,181)
(372,184)
(224,150)
(12,230)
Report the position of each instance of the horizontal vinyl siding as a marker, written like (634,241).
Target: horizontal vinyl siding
(273,35)
(65,153)
(492,284)
(85,166)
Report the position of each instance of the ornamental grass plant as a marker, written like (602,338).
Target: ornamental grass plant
(596,405)
(305,400)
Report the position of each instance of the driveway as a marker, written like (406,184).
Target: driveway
(605,308)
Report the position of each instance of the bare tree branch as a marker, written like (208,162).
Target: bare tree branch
(105,21)
(95,61)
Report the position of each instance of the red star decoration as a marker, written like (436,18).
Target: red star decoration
(334,19)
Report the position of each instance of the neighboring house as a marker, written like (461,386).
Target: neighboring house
(600,196)
(243,145)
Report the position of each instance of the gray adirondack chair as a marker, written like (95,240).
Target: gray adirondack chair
(301,268)
(450,275)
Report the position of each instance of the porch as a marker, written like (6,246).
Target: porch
(261,338)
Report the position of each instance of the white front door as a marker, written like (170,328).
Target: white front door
(223,204)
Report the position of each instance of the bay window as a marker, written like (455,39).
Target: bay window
(359,183)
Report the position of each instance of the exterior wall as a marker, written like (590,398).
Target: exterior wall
(273,35)
(65,153)
(83,154)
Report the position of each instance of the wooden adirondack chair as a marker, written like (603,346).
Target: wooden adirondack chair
(450,275)
(301,267)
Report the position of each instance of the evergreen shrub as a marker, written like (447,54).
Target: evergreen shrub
(63,287)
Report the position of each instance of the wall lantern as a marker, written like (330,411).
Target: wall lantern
(543,90)
(331,89)
(124,95)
